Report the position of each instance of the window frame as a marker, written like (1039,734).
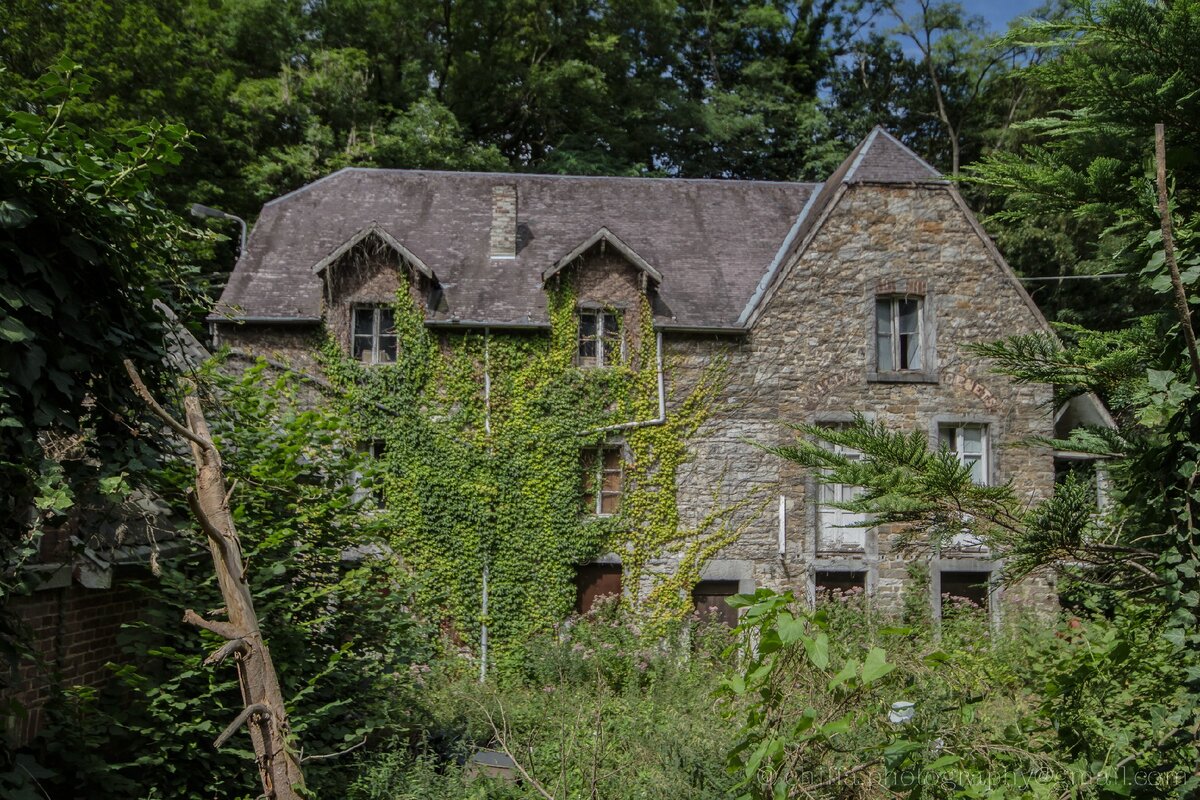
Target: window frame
(602,339)
(963,541)
(913,289)
(995,606)
(376,336)
(984,456)
(895,335)
(822,534)
(594,471)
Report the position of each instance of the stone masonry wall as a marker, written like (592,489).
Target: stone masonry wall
(810,359)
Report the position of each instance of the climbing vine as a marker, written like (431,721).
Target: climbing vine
(481,438)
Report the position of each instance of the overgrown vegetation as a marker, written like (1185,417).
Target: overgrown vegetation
(1098,705)
(474,478)
(335,606)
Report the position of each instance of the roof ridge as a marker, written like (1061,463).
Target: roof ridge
(867,153)
(540,176)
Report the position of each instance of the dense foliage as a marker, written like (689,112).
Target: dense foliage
(839,703)
(87,253)
(335,607)
(481,438)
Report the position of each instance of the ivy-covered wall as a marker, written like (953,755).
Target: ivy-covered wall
(482,433)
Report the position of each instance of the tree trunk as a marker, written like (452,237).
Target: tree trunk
(264,713)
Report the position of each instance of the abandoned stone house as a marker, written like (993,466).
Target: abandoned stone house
(856,295)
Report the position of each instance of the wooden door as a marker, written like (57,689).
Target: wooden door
(713,595)
(593,581)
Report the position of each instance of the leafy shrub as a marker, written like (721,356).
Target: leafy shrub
(1040,708)
(334,608)
(595,709)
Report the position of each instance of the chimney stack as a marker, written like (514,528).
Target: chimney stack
(504,222)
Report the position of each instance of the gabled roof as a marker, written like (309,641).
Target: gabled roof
(713,247)
(374,230)
(609,238)
(880,159)
(709,240)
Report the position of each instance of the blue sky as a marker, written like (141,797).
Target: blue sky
(996,12)
(999,12)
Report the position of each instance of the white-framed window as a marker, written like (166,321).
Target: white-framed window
(603,476)
(969,443)
(600,343)
(374,335)
(899,334)
(837,528)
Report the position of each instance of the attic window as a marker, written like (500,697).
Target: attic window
(599,339)
(374,335)
(898,334)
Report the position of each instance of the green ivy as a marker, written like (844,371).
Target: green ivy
(473,476)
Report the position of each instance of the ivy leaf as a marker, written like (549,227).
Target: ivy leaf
(13,330)
(15,214)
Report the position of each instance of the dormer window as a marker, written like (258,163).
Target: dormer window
(599,338)
(374,335)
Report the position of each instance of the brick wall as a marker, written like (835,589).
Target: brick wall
(74,634)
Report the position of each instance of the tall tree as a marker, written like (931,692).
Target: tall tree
(93,252)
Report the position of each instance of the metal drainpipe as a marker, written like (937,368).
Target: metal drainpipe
(662,398)
(487,429)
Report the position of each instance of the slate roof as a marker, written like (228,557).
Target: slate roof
(716,243)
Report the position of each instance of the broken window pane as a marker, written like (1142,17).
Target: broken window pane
(364,321)
(898,334)
(387,350)
(883,335)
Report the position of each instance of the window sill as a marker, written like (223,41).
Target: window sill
(902,377)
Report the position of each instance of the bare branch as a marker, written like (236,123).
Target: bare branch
(206,524)
(140,388)
(225,651)
(1168,241)
(349,749)
(223,629)
(240,719)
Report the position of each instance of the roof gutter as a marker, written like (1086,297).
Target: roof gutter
(476,323)
(727,330)
(217,319)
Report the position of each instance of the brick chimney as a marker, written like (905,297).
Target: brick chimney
(504,222)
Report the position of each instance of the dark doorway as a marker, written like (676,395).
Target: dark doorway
(593,581)
(714,594)
(838,583)
(969,586)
